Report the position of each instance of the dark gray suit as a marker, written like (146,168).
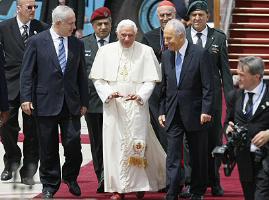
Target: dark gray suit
(57,99)
(217,47)
(3,84)
(94,116)
(182,106)
(13,47)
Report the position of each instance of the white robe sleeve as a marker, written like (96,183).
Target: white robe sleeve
(103,89)
(146,90)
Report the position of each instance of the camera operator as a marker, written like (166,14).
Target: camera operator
(249,107)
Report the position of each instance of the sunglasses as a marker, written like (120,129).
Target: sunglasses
(31,7)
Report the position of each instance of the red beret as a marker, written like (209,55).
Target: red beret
(166,3)
(100,13)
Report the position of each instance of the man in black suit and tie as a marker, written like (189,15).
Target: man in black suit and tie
(77,5)
(249,107)
(215,42)
(3,90)
(54,66)
(14,34)
(101,23)
(186,107)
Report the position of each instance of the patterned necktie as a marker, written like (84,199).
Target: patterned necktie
(199,41)
(61,54)
(178,66)
(249,105)
(24,34)
(102,42)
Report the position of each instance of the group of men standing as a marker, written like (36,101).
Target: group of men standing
(47,75)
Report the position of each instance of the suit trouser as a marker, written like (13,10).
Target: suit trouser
(48,135)
(9,135)
(95,129)
(214,139)
(258,189)
(197,141)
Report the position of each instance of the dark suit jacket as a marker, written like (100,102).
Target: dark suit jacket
(3,84)
(152,39)
(13,47)
(193,94)
(258,122)
(216,46)
(77,5)
(91,48)
(41,70)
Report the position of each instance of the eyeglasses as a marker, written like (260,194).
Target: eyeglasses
(31,7)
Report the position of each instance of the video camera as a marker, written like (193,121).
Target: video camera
(236,141)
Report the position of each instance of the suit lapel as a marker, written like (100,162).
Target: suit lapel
(173,66)
(188,35)
(185,64)
(48,43)
(71,52)
(16,33)
(210,38)
(264,104)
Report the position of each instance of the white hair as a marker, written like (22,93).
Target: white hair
(60,13)
(126,23)
(177,25)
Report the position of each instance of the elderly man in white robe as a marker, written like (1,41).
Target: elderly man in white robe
(124,74)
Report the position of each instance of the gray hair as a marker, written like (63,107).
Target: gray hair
(177,25)
(126,23)
(253,65)
(60,13)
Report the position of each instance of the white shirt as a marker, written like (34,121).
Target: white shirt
(257,97)
(56,41)
(20,24)
(106,40)
(182,51)
(203,36)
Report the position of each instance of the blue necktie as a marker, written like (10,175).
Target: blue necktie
(61,54)
(178,66)
(249,105)
(25,33)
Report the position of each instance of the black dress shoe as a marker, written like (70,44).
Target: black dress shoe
(47,195)
(28,181)
(6,175)
(73,187)
(217,191)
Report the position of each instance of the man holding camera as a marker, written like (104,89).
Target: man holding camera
(249,107)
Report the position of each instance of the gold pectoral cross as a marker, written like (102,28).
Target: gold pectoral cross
(124,72)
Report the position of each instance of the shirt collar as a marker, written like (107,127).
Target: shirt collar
(204,32)
(54,35)
(257,89)
(106,38)
(182,50)
(20,24)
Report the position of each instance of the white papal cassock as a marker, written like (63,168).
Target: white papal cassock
(133,158)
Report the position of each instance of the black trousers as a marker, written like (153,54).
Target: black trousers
(95,129)
(9,136)
(214,139)
(197,141)
(48,135)
(258,189)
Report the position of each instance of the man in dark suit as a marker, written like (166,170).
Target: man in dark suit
(77,5)
(249,107)
(13,36)
(166,11)
(54,65)
(215,42)
(186,107)
(3,90)
(101,23)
